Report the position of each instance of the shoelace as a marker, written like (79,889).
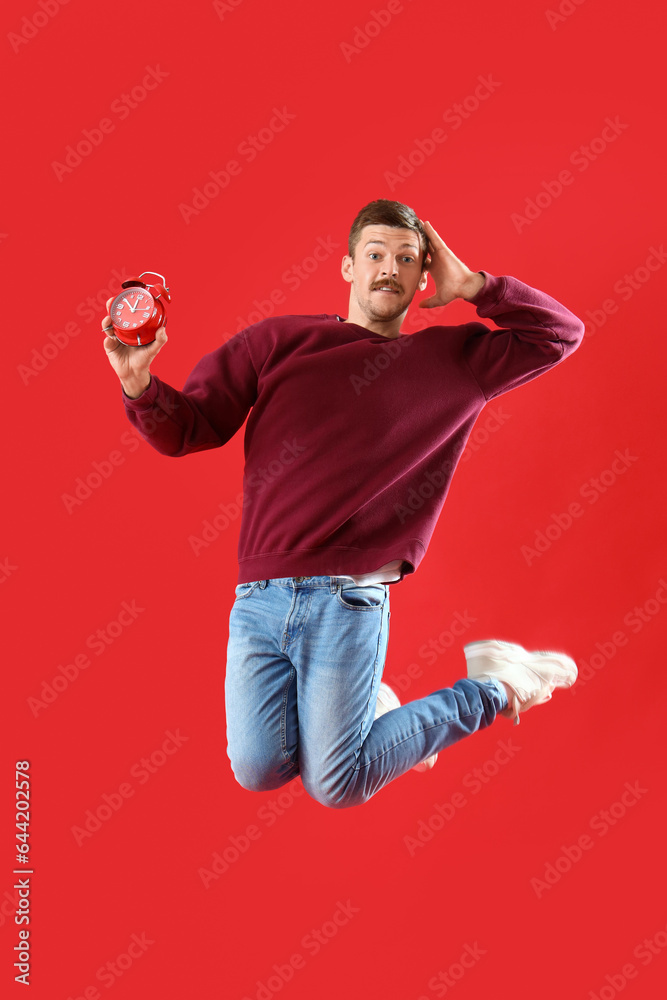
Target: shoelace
(514,705)
(516,702)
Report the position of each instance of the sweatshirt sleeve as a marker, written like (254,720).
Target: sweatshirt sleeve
(537,332)
(213,404)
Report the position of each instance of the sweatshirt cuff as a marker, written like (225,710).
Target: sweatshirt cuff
(491,291)
(145,400)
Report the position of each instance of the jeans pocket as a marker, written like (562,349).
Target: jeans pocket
(244,590)
(355,597)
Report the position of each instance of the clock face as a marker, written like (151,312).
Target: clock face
(132,308)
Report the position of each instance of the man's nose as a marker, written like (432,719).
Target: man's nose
(390,266)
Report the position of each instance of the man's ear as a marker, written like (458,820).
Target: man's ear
(423,281)
(346,267)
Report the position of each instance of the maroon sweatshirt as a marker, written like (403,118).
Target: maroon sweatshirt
(352,439)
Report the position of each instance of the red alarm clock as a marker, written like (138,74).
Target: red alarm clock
(139,311)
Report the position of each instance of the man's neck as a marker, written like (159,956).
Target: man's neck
(391,329)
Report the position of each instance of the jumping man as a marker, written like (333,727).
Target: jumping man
(353,433)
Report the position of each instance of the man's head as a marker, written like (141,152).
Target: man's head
(385,264)
(383,212)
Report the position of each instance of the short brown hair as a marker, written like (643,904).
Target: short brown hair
(383,212)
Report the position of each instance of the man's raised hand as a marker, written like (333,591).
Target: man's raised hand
(453,280)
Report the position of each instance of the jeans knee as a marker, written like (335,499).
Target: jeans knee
(258,778)
(334,797)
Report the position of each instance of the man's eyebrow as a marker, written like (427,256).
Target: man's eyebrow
(410,246)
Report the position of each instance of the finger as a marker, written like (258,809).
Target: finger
(426,226)
(111,344)
(156,345)
(160,339)
(109,301)
(434,237)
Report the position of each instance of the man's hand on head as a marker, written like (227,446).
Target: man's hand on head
(453,280)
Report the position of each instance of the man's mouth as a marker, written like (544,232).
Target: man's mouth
(386,288)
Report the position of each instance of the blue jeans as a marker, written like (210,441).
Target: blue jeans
(304,664)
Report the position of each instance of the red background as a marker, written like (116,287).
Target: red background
(66,573)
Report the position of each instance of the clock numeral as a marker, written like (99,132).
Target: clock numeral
(146,315)
(125,323)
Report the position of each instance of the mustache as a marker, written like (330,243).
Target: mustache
(387,284)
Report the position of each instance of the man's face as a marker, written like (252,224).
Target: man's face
(385,272)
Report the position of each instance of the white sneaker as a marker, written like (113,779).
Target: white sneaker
(388,699)
(532,676)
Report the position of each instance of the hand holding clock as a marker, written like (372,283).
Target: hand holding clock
(131,364)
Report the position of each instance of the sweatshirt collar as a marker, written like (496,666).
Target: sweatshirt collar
(361,330)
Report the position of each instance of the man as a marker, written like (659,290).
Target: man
(354,430)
